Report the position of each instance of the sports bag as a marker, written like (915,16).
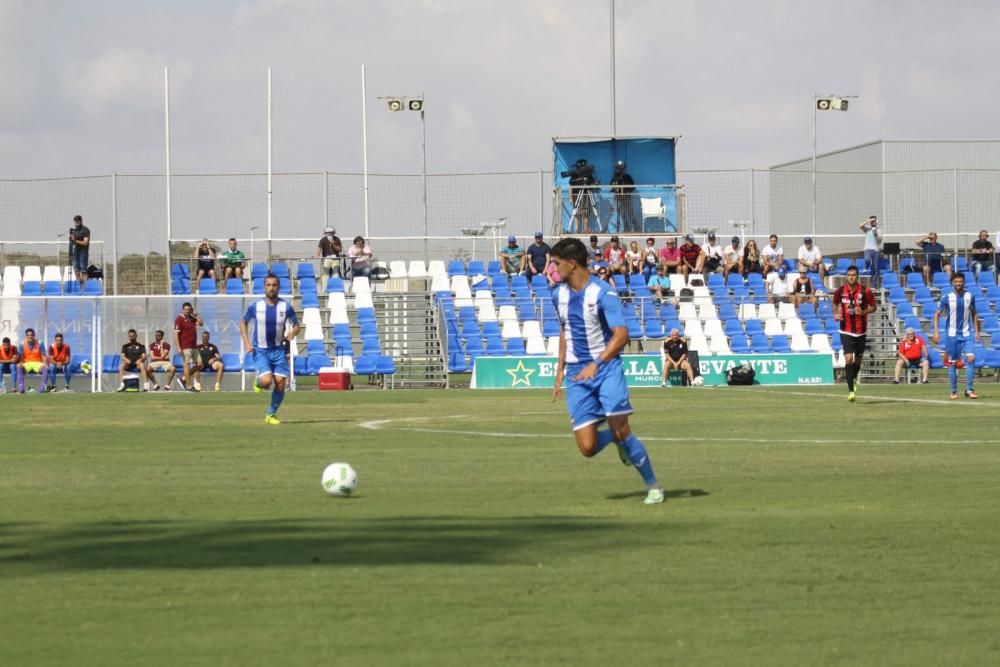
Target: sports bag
(740,375)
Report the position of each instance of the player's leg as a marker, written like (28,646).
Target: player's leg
(43,379)
(952,347)
(686,367)
(899,369)
(281,372)
(587,417)
(847,344)
(969,350)
(218,375)
(617,407)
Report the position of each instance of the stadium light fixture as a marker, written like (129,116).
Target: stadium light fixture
(395,104)
(823,103)
(415,103)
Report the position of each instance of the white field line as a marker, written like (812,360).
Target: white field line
(881,397)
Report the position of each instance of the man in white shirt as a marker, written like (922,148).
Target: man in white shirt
(713,255)
(732,258)
(811,258)
(772,256)
(777,286)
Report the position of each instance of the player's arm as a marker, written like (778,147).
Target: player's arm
(560,364)
(291,318)
(837,310)
(937,314)
(245,335)
(976,322)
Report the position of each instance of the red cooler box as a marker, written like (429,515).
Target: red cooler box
(334,379)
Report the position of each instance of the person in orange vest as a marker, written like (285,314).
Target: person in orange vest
(33,360)
(8,364)
(59,360)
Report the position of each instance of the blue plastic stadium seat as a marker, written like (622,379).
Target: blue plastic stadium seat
(234,286)
(52,288)
(305,270)
(653,329)
(310,300)
(366,365)
(384,365)
(258,270)
(280,269)
(92,287)
(231,362)
(456,363)
(780,344)
(370,345)
(476,267)
(207,286)
(258,286)
(31,288)
(318,361)
(300,364)
(456,267)
(366,314)
(494,345)
(739,345)
(753,327)
(180,271)
(733,327)
(759,344)
(515,347)
(335,284)
(110,363)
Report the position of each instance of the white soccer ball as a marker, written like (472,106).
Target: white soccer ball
(340,479)
(698,381)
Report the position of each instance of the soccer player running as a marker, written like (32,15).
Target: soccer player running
(961,333)
(852,304)
(592,335)
(270,316)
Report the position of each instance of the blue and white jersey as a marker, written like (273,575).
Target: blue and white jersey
(588,317)
(269,322)
(959,309)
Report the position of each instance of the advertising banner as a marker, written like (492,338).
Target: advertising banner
(645,370)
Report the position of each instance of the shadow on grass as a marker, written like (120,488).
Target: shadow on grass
(670,493)
(446,540)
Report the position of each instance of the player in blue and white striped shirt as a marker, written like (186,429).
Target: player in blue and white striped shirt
(592,336)
(275,323)
(961,333)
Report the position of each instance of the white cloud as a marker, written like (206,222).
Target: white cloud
(118,77)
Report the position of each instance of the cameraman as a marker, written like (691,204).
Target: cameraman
(623,188)
(581,194)
(79,249)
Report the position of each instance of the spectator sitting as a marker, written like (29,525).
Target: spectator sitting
(205,254)
(933,256)
(552,274)
(674,355)
(159,360)
(210,360)
(659,285)
(777,286)
(712,254)
(614,255)
(329,249)
(32,360)
(537,256)
(595,255)
(670,256)
(59,360)
(233,261)
(772,256)
(981,255)
(633,258)
(9,358)
(512,258)
(811,258)
(912,353)
(650,258)
(133,359)
(751,259)
(802,288)
(692,258)
(360,254)
(604,274)
(732,258)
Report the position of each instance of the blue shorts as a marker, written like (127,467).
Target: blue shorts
(604,395)
(959,346)
(80,260)
(271,361)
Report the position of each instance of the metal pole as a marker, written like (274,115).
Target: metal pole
(954,194)
(269,165)
(114,231)
(423,148)
(364,142)
(815,97)
(166,101)
(541,200)
(326,199)
(751,193)
(614,121)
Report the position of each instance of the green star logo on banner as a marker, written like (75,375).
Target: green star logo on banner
(520,374)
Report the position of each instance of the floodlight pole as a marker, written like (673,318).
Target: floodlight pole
(814,104)
(614,120)
(423,150)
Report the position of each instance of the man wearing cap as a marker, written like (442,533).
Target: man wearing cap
(913,354)
(595,256)
(933,256)
(981,255)
(712,253)
(692,258)
(330,249)
(777,286)
(614,255)
(512,258)
(732,258)
(811,258)
(772,256)
(538,256)
(623,188)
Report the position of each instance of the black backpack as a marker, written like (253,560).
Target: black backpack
(740,375)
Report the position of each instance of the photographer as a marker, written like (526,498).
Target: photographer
(79,249)
(623,188)
(581,194)
(205,254)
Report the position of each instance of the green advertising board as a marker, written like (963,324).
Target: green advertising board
(645,370)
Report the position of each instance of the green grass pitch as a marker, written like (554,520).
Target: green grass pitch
(799,530)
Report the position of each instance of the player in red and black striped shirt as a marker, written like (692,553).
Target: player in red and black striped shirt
(852,304)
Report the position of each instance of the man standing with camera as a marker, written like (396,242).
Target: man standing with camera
(623,187)
(79,249)
(581,194)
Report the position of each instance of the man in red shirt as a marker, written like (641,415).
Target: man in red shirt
(159,360)
(692,257)
(670,256)
(186,340)
(852,304)
(59,360)
(912,353)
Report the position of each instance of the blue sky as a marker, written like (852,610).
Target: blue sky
(83,89)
